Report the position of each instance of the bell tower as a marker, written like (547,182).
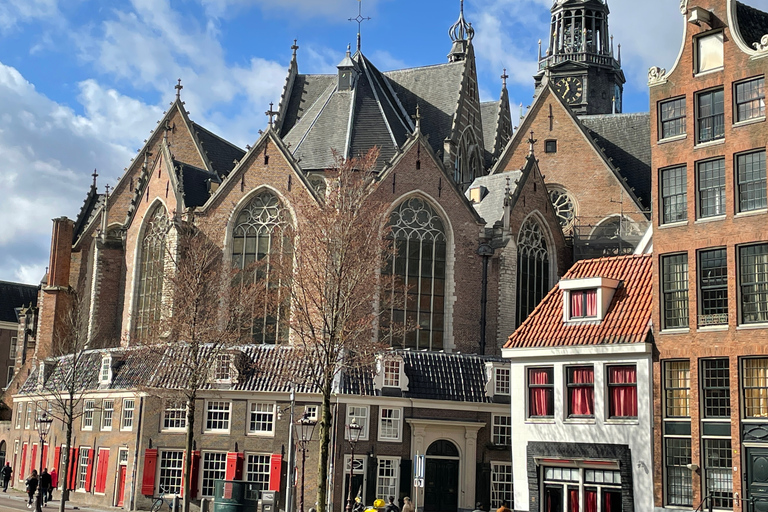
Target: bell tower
(580,63)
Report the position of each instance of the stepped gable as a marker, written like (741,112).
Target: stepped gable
(626,141)
(753,23)
(627,320)
(221,153)
(15,295)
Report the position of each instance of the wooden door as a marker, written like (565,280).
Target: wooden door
(121,486)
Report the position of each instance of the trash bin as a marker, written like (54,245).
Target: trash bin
(229,496)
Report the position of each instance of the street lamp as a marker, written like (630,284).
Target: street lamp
(306,429)
(353,434)
(43,428)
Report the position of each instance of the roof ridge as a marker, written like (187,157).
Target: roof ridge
(222,139)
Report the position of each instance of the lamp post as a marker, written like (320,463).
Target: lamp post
(43,427)
(306,429)
(353,434)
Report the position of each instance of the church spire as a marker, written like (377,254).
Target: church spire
(461,34)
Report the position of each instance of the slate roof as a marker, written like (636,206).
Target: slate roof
(627,320)
(626,139)
(307,89)
(753,23)
(489,114)
(221,153)
(91,206)
(195,183)
(15,295)
(491,208)
(270,368)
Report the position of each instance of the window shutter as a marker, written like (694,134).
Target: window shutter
(275,471)
(72,469)
(483,484)
(231,466)
(34,461)
(23,461)
(101,470)
(195,470)
(89,471)
(148,479)
(45,455)
(370,488)
(406,477)
(56,458)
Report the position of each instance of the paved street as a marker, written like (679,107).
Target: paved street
(17,501)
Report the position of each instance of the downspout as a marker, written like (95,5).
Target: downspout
(134,469)
(486,251)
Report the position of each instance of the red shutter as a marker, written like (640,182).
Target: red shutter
(72,469)
(89,471)
(275,471)
(195,471)
(101,470)
(56,458)
(234,469)
(45,456)
(33,460)
(22,474)
(150,465)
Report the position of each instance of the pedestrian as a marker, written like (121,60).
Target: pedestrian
(504,507)
(45,485)
(31,487)
(478,507)
(391,507)
(407,505)
(6,473)
(54,483)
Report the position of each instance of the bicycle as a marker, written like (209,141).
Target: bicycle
(158,504)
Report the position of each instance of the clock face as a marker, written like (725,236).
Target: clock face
(570,89)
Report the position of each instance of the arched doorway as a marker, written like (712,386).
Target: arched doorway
(441,478)
(2,453)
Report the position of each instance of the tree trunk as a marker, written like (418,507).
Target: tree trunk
(325,441)
(190,435)
(65,475)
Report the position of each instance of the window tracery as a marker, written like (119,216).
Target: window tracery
(532,268)
(468,164)
(151,273)
(564,206)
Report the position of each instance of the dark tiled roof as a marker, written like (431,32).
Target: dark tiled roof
(15,295)
(627,320)
(91,205)
(626,139)
(195,183)
(489,113)
(221,153)
(307,89)
(753,23)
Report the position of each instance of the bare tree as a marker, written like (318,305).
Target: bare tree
(341,244)
(207,313)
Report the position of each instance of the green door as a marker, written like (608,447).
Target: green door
(757,479)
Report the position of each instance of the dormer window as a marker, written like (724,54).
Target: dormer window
(390,378)
(105,376)
(586,300)
(583,304)
(501,380)
(391,374)
(709,52)
(222,371)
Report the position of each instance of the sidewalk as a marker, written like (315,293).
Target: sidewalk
(53,505)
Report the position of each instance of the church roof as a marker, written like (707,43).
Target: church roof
(753,23)
(15,295)
(489,114)
(626,140)
(91,206)
(221,153)
(627,320)
(491,207)
(195,183)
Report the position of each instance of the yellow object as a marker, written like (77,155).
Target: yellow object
(379,503)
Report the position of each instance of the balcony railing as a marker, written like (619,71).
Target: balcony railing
(588,58)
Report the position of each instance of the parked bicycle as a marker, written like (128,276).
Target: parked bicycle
(157,506)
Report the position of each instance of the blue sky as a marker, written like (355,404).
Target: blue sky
(82,82)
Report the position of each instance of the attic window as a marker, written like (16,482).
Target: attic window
(392,374)
(587,299)
(106,370)
(709,54)
(501,381)
(583,304)
(222,371)
(550,146)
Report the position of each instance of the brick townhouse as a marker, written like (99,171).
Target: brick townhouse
(708,134)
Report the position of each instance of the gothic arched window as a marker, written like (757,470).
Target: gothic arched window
(260,236)
(417,270)
(151,273)
(532,269)
(565,207)
(468,164)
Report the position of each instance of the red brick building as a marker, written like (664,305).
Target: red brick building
(711,261)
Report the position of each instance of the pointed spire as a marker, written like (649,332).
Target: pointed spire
(461,30)
(95,175)
(417,117)
(504,77)
(271,114)
(178,88)
(531,141)
(359,19)
(295,47)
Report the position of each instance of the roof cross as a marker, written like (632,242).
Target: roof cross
(95,175)
(295,46)
(504,77)
(360,19)
(532,141)
(417,117)
(271,113)
(178,88)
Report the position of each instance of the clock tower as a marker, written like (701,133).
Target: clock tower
(580,63)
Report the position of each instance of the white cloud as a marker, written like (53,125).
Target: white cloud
(329,9)
(13,12)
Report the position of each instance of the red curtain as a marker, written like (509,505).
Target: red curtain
(591,302)
(582,397)
(590,501)
(577,304)
(540,396)
(623,398)
(573,500)
(606,502)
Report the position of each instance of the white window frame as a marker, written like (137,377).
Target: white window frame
(203,470)
(105,416)
(249,473)
(83,454)
(498,494)
(13,348)
(252,412)
(497,390)
(105,371)
(362,420)
(161,468)
(172,406)
(222,359)
(126,421)
(28,417)
(397,421)
(392,373)
(19,414)
(312,412)
(89,406)
(396,477)
(227,420)
(498,439)
(10,376)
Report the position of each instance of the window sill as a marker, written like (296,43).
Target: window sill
(540,421)
(622,421)
(709,143)
(747,122)
(173,430)
(106,430)
(708,72)
(579,421)
(673,139)
(677,224)
(712,328)
(749,327)
(389,440)
(714,218)
(684,330)
(126,429)
(261,434)
(216,432)
(752,213)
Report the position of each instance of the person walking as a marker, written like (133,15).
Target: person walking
(45,486)
(31,487)
(6,473)
(407,505)
(54,483)
(391,507)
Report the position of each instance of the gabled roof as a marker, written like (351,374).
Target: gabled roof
(91,206)
(195,183)
(753,23)
(220,152)
(15,295)
(628,319)
(626,139)
(491,207)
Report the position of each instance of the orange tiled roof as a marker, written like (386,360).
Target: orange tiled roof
(627,320)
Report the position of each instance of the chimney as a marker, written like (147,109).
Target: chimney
(61,252)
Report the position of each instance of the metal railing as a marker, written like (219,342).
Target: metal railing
(586,57)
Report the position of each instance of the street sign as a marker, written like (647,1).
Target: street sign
(418,482)
(418,468)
